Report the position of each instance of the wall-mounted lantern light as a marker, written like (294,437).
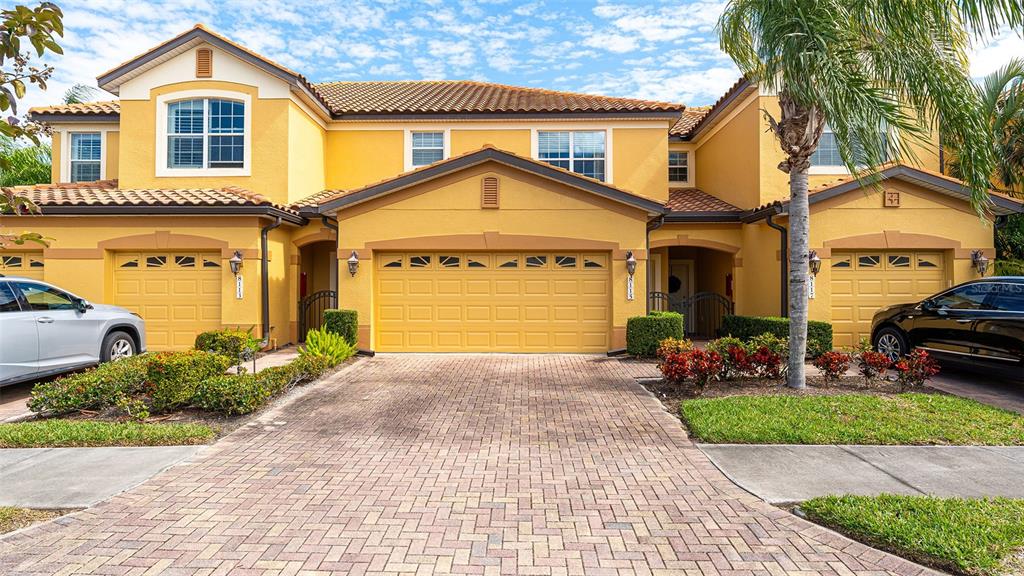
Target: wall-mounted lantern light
(353,263)
(814,262)
(980,262)
(236,262)
(630,263)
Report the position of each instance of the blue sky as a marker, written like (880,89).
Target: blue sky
(653,50)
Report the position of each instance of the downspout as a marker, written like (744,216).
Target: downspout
(337,269)
(650,269)
(784,264)
(265,279)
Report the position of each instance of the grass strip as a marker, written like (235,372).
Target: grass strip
(904,419)
(976,537)
(58,432)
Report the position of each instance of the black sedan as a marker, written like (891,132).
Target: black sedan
(977,321)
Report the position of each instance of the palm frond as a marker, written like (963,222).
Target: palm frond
(79,93)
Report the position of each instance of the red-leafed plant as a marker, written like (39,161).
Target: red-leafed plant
(765,363)
(832,365)
(706,366)
(873,365)
(915,369)
(737,362)
(675,366)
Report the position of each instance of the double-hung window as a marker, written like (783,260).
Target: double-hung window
(206,133)
(580,152)
(427,148)
(827,157)
(678,167)
(86,154)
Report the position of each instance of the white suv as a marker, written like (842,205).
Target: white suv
(45,331)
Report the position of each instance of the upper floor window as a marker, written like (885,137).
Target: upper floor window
(678,167)
(427,147)
(827,155)
(86,155)
(580,152)
(206,133)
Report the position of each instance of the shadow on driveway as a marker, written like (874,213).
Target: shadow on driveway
(985,387)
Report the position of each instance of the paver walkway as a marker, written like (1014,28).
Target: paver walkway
(448,463)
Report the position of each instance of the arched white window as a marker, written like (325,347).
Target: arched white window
(203,133)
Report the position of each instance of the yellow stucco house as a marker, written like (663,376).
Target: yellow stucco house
(457,216)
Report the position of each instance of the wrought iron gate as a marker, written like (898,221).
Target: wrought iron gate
(702,313)
(311,310)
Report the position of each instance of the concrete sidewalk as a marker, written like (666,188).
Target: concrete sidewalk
(79,477)
(791,473)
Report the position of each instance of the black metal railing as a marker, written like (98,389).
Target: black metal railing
(311,310)
(703,312)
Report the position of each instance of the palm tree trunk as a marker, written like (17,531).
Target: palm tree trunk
(799,244)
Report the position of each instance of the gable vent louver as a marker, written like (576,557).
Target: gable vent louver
(204,63)
(489,192)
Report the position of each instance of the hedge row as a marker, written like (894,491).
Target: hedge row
(819,334)
(645,333)
(344,322)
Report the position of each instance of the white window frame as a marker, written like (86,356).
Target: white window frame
(535,147)
(446,134)
(689,167)
(65,146)
(839,170)
(165,100)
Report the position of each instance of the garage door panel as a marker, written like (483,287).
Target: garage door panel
(492,302)
(177,298)
(863,282)
(26,264)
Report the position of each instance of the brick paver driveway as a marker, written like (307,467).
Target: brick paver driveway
(436,464)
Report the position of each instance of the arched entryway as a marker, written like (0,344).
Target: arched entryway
(318,284)
(697,282)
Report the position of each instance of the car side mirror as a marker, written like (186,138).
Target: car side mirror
(82,305)
(927,305)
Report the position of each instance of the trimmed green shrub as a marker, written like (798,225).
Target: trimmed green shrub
(645,333)
(330,345)
(312,367)
(172,377)
(233,343)
(232,394)
(819,334)
(344,322)
(95,389)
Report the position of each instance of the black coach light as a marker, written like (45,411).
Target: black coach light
(814,262)
(236,262)
(980,262)
(353,263)
(630,263)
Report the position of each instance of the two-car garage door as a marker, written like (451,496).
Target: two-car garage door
(492,302)
(865,281)
(177,294)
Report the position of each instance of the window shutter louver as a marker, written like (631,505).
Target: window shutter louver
(489,192)
(204,63)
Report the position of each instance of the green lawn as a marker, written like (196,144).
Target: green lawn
(12,519)
(58,432)
(851,419)
(966,536)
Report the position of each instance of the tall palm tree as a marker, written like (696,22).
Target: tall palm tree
(861,65)
(79,93)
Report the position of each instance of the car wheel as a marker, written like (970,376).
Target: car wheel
(892,343)
(116,346)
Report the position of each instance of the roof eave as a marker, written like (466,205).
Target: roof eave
(640,114)
(696,216)
(51,118)
(719,108)
(163,209)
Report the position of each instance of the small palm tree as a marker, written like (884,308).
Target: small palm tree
(1002,98)
(79,93)
(881,73)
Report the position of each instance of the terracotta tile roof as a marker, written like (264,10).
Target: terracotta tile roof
(106,193)
(80,109)
(739,86)
(690,117)
(694,200)
(455,96)
(314,200)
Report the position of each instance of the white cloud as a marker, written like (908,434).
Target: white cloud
(993,55)
(391,70)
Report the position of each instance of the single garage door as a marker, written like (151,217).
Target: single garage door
(177,294)
(864,282)
(27,264)
(492,302)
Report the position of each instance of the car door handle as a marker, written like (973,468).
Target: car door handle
(45,320)
(963,320)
